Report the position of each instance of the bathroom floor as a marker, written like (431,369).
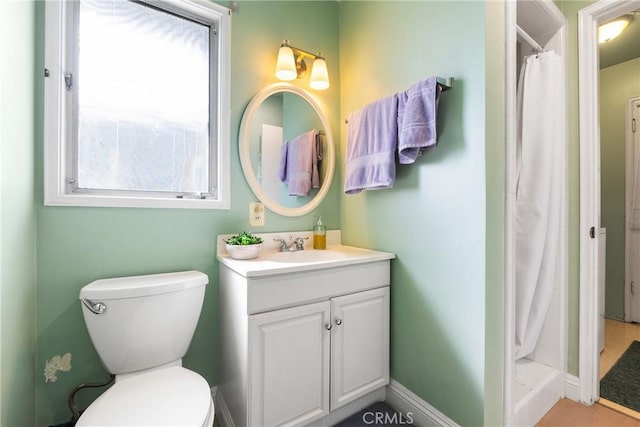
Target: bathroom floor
(380,414)
(617,338)
(567,413)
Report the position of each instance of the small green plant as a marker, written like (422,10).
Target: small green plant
(243,239)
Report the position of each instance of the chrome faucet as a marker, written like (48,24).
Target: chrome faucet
(294,245)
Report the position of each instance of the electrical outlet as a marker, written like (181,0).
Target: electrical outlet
(256,214)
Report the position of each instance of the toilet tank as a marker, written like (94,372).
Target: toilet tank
(141,322)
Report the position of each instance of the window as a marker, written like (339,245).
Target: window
(136,104)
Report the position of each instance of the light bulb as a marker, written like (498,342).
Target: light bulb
(319,74)
(286,64)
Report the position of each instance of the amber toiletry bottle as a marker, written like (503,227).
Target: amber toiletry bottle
(319,235)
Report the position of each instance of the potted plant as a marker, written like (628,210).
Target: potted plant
(244,246)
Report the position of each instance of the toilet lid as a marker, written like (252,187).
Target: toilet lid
(167,397)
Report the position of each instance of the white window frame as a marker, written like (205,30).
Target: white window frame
(58,140)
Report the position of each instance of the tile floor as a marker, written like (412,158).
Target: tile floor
(567,413)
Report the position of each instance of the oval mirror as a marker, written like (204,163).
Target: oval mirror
(286,149)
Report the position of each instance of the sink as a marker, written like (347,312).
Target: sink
(306,256)
(270,262)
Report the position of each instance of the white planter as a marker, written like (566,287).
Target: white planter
(244,251)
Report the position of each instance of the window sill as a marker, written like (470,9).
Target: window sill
(133,202)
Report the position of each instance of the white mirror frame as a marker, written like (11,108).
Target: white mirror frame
(245,158)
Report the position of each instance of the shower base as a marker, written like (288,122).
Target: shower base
(537,388)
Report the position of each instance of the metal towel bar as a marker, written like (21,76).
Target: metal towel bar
(445,84)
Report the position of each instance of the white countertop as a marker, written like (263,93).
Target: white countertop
(271,262)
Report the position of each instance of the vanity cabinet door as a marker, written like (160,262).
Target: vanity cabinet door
(359,345)
(289,365)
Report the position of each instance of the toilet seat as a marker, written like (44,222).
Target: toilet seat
(172,396)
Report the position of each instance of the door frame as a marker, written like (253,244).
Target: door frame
(629,166)
(588,67)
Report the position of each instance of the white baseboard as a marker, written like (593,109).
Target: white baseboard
(572,390)
(214,391)
(412,406)
(222,410)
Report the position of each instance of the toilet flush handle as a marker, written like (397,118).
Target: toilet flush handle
(94,307)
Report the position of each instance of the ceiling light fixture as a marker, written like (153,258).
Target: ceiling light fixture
(290,66)
(613,29)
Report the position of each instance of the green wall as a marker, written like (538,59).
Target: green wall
(443,218)
(78,245)
(618,83)
(439,306)
(17,217)
(434,218)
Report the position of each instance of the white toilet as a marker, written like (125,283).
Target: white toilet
(141,327)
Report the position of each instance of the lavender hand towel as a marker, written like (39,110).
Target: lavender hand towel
(417,108)
(372,136)
(299,164)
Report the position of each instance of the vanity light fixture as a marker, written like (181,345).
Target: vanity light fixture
(613,29)
(290,66)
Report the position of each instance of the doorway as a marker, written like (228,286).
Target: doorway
(632,197)
(620,176)
(589,20)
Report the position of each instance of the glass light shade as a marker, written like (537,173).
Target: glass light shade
(611,30)
(286,64)
(319,75)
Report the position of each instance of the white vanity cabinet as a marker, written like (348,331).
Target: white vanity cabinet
(308,360)
(359,345)
(289,365)
(296,346)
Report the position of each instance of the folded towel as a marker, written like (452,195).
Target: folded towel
(417,108)
(372,136)
(299,164)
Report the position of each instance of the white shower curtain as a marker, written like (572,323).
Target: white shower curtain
(541,139)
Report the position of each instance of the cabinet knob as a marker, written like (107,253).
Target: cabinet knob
(327,326)
(338,321)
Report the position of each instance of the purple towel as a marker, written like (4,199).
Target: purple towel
(299,164)
(417,108)
(371,146)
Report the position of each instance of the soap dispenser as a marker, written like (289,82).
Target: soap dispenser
(319,235)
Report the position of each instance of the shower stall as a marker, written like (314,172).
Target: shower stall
(536,211)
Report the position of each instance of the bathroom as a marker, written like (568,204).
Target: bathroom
(446,224)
